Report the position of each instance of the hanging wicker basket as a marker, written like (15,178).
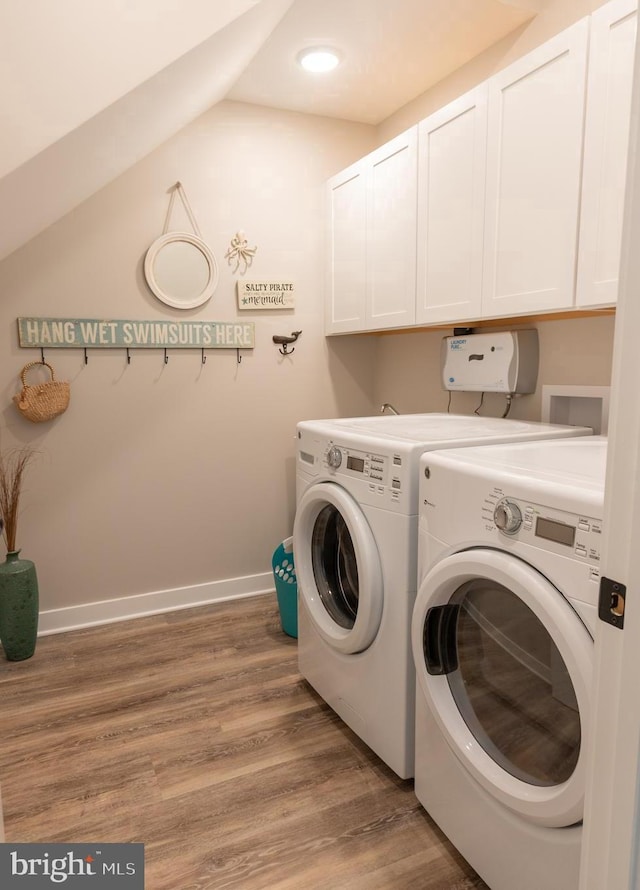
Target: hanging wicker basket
(44,401)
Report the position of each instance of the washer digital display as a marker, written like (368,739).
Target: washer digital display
(355,463)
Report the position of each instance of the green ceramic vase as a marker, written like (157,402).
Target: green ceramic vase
(19,607)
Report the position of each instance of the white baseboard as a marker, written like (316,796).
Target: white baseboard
(55,621)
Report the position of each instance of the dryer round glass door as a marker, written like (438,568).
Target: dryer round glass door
(505,664)
(338,567)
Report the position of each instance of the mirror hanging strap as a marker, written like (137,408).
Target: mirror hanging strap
(178,189)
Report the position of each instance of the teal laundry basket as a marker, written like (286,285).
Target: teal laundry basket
(284,575)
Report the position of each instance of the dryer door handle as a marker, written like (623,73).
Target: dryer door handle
(439,639)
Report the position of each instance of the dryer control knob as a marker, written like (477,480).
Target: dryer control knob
(334,457)
(507,517)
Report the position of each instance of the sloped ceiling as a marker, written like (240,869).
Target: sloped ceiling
(391,52)
(95,87)
(63,62)
(68,171)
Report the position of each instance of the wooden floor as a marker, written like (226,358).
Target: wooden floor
(193,733)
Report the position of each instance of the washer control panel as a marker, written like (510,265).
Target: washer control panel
(356,463)
(545,527)
(381,471)
(334,457)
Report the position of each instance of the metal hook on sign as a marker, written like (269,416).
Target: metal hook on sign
(128,356)
(42,358)
(166,357)
(204,358)
(285,341)
(86,357)
(238,356)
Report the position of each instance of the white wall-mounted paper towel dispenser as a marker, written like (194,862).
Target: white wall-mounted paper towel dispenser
(506,361)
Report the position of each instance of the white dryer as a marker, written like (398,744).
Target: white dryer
(355,549)
(502,638)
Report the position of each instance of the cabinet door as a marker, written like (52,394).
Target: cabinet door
(452,148)
(391,233)
(346,237)
(534,153)
(606,142)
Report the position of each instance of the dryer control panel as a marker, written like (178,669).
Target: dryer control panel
(546,527)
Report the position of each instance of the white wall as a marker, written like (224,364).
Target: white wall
(159,476)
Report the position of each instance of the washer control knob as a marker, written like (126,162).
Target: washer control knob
(334,457)
(507,517)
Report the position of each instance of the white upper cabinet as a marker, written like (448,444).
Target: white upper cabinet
(534,154)
(391,233)
(611,56)
(452,146)
(507,202)
(372,240)
(346,215)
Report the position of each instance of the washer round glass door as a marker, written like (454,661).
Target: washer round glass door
(338,567)
(505,664)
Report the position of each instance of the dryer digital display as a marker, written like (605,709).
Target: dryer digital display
(559,532)
(355,463)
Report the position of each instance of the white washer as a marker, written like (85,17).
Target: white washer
(355,549)
(502,638)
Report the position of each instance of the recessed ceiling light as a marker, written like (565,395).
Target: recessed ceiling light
(318,59)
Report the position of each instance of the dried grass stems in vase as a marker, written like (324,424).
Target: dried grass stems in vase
(12,468)
(19,597)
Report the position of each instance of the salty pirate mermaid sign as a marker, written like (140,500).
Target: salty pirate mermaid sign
(266,294)
(104,334)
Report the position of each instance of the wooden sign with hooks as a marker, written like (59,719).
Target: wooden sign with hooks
(93,333)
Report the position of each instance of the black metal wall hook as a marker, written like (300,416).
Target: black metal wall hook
(43,359)
(285,341)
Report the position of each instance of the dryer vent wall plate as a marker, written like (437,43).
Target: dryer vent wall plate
(506,362)
(577,406)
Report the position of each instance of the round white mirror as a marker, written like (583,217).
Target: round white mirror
(181,270)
